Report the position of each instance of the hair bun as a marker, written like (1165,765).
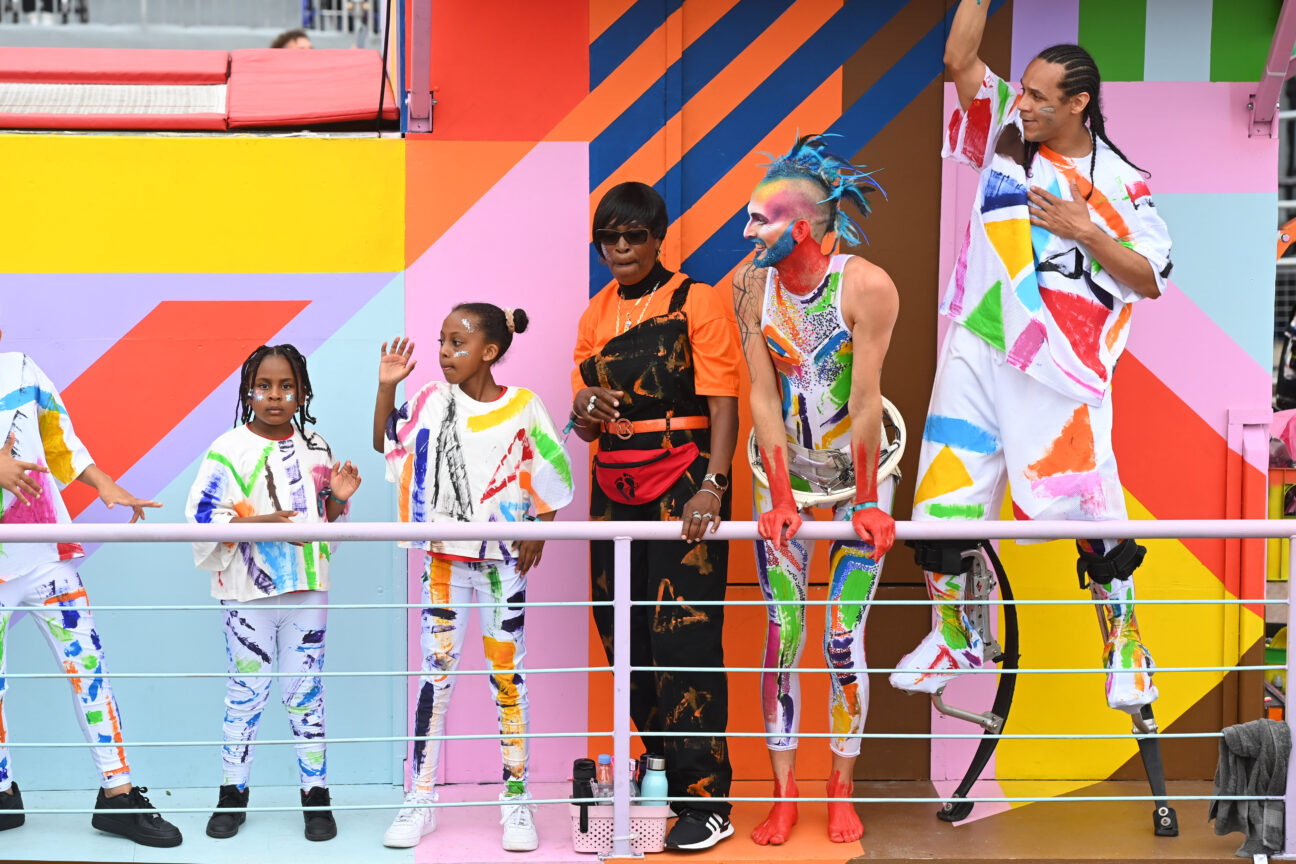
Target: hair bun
(520,320)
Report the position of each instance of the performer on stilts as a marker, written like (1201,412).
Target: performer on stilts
(1063,240)
(815,330)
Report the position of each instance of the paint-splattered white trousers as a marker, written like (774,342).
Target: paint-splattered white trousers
(284,632)
(446,585)
(74,641)
(989,422)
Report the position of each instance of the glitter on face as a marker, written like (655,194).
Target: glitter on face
(1047,109)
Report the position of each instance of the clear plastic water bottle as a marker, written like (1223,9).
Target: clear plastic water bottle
(634,779)
(603,779)
(653,789)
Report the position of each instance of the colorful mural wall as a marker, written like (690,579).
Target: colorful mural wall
(144,269)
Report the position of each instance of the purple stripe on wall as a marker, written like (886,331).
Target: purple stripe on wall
(1038,24)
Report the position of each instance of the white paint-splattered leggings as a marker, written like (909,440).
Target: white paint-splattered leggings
(446,585)
(853,580)
(284,631)
(73,640)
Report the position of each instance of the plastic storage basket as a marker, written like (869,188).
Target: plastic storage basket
(647,824)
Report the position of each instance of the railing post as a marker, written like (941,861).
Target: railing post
(1289,800)
(621,699)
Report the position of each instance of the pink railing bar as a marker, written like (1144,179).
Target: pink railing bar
(1150,529)
(621,699)
(1289,801)
(1264,102)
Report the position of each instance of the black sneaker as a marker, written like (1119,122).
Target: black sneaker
(319,823)
(120,815)
(11,802)
(222,825)
(698,829)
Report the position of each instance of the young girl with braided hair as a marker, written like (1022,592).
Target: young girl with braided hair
(467,449)
(271,468)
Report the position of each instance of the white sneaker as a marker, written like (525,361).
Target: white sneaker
(411,825)
(933,664)
(519,826)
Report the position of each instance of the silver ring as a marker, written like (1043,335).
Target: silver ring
(590,407)
(707,516)
(697,515)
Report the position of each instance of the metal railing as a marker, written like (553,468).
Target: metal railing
(623,534)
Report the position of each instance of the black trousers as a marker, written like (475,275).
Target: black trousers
(667,635)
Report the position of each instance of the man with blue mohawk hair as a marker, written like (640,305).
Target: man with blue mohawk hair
(815,329)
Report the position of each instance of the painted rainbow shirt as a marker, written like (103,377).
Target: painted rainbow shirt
(244,474)
(812,350)
(455,459)
(32,411)
(1041,299)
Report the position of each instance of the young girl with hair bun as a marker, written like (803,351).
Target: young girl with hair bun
(467,449)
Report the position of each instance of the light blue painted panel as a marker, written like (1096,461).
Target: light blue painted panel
(343,373)
(1224,261)
(1177,45)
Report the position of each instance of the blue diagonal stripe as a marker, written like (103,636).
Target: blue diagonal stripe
(869,114)
(618,41)
(809,66)
(709,54)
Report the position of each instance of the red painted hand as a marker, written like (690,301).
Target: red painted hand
(780,524)
(874,525)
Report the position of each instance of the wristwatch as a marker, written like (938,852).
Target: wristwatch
(721,481)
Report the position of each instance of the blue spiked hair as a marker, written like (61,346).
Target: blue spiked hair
(810,159)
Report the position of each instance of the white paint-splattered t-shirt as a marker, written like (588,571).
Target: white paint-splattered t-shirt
(455,459)
(1041,299)
(32,410)
(244,474)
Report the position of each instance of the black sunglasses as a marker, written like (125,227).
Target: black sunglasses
(609,237)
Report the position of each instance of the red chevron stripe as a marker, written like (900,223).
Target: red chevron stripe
(136,393)
(1170,458)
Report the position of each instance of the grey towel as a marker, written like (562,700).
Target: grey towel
(1253,761)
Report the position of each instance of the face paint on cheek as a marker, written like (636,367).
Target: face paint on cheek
(290,397)
(1047,109)
(781,249)
(459,354)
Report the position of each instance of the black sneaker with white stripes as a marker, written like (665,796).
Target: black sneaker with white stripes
(698,829)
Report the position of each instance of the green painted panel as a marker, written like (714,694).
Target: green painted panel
(1241,31)
(1115,33)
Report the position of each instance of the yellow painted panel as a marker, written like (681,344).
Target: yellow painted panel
(1068,637)
(228,204)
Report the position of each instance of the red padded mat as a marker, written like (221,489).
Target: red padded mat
(305,88)
(114,66)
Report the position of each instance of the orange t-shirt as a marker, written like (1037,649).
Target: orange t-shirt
(713,333)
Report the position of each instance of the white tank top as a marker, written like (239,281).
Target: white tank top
(812,352)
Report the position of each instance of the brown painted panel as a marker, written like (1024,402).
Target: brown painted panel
(893,630)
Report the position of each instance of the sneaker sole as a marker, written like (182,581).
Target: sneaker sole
(514,847)
(155,842)
(708,843)
(224,835)
(403,843)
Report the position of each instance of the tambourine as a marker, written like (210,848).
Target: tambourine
(819,494)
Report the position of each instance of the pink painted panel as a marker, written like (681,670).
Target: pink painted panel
(1167,336)
(524,244)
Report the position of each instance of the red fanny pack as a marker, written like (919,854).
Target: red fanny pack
(640,476)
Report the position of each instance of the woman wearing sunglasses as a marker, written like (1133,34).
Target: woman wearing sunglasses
(656,384)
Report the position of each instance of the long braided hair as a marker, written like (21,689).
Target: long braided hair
(842,181)
(1080,75)
(302,416)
